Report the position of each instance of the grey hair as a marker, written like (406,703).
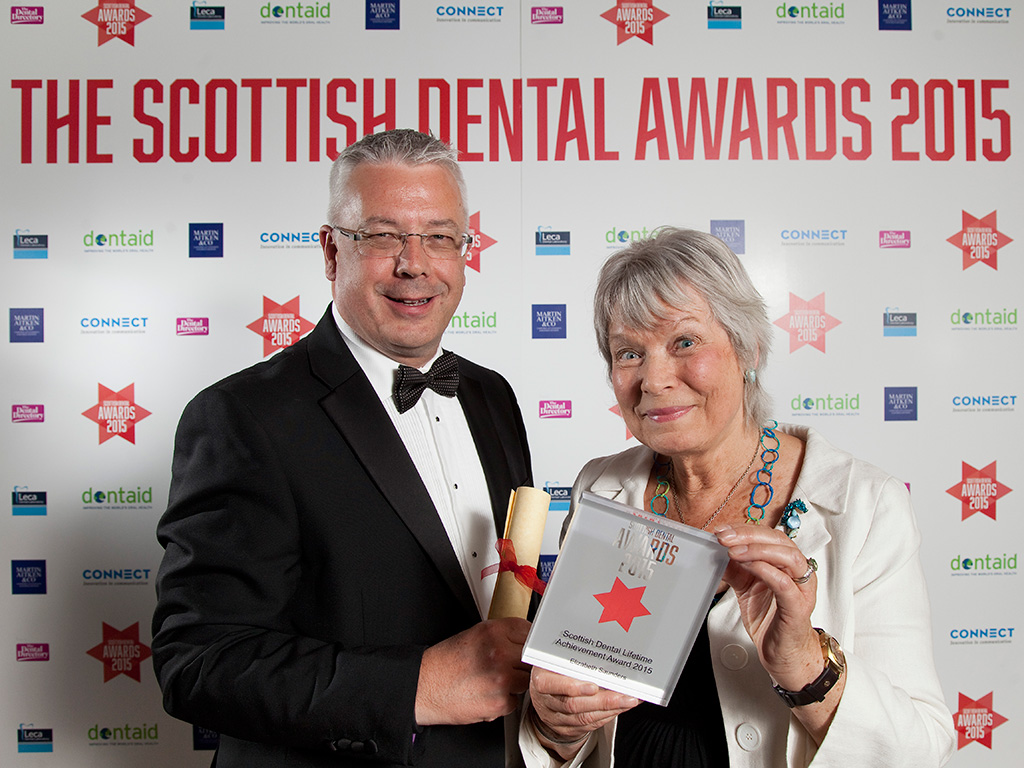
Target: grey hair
(401,146)
(637,284)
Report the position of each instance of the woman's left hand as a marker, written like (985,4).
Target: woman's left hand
(764,565)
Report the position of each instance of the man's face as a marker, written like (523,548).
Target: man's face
(402,305)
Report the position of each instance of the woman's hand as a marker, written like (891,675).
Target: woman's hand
(766,571)
(568,710)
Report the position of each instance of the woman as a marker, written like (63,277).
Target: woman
(817,650)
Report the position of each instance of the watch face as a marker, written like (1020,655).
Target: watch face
(837,652)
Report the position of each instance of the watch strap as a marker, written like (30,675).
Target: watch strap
(823,683)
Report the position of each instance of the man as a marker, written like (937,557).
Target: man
(320,597)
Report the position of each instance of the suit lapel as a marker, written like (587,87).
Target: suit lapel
(356,411)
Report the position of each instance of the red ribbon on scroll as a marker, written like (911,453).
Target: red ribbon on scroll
(525,574)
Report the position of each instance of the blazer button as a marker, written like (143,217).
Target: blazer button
(748,737)
(339,745)
(734,656)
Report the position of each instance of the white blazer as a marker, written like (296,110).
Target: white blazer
(860,528)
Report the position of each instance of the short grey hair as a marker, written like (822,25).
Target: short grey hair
(401,146)
(637,283)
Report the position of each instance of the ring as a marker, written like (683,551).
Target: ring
(812,566)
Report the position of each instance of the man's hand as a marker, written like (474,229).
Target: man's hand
(474,676)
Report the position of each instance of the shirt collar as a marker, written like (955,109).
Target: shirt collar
(378,367)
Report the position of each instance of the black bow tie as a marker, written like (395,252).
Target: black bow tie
(443,378)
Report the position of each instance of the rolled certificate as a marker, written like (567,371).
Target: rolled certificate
(519,551)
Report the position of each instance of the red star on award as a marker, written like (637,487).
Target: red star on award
(978,491)
(117,413)
(634,18)
(481,242)
(618,412)
(807,322)
(622,604)
(281,325)
(121,652)
(979,240)
(116,18)
(975,721)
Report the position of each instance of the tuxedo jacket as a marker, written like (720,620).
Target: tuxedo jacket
(306,568)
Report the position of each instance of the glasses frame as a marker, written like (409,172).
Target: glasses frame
(357,236)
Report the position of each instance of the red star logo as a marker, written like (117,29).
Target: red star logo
(117,413)
(281,325)
(615,409)
(980,240)
(807,322)
(116,18)
(978,491)
(634,18)
(622,604)
(975,721)
(121,652)
(481,242)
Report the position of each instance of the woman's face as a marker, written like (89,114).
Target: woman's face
(680,385)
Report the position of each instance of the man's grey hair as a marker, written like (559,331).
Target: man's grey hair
(638,285)
(402,146)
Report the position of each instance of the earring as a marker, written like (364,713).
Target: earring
(750,375)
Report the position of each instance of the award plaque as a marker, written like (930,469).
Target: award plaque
(626,599)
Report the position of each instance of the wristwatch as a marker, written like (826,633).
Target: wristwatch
(835,663)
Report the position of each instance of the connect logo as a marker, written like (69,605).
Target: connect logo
(958,14)
(285,239)
(113,324)
(823,236)
(477,13)
(634,18)
(977,403)
(981,635)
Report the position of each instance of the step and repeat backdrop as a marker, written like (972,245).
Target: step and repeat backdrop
(164,169)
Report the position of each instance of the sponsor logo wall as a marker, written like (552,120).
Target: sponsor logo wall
(165,172)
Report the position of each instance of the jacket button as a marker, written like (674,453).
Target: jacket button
(734,656)
(748,737)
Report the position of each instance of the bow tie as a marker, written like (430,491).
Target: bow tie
(443,378)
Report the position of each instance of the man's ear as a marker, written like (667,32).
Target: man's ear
(330,252)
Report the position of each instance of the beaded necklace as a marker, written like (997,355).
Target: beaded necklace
(769,456)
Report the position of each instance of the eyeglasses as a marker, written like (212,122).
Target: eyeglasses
(384,245)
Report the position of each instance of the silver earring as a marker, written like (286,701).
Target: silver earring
(750,375)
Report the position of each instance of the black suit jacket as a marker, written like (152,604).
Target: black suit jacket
(306,568)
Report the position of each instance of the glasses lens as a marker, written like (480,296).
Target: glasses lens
(442,246)
(380,244)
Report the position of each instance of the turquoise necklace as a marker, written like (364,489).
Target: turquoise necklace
(768,445)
